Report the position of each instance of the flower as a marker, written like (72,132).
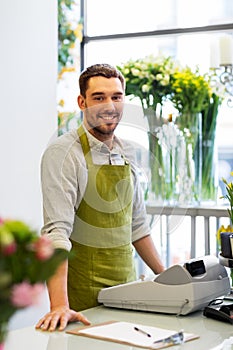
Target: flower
(190,90)
(25,294)
(222,228)
(229,197)
(43,248)
(26,262)
(149,79)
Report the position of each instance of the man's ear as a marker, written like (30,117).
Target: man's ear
(81,102)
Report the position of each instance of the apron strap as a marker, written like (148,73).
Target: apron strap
(86,148)
(85,145)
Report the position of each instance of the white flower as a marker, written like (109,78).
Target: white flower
(135,72)
(159,76)
(166,79)
(145,88)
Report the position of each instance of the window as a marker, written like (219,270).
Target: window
(114,33)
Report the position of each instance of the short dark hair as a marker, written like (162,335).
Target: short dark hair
(100,69)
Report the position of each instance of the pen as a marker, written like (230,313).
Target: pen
(142,331)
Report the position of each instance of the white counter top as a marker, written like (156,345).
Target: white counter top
(211,332)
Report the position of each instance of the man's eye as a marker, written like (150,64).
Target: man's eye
(96,98)
(117,98)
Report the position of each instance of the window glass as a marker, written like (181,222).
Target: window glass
(126,16)
(120,50)
(189,49)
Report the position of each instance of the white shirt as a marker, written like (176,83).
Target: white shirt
(64,178)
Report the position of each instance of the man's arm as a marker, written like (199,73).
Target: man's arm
(60,313)
(146,249)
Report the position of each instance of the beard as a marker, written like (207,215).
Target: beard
(102,123)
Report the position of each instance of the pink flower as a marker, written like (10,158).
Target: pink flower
(9,249)
(44,248)
(26,294)
(7,242)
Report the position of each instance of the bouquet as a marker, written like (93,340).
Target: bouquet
(149,80)
(190,90)
(26,262)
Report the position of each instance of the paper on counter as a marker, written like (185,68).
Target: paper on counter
(124,333)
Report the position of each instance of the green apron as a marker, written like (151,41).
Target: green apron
(102,253)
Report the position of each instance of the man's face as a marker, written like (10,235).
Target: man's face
(102,106)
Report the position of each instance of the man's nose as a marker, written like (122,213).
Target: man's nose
(109,105)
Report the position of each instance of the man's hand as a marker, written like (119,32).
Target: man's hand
(60,314)
(60,317)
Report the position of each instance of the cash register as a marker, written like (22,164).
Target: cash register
(180,289)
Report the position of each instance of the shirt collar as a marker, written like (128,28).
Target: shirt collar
(101,146)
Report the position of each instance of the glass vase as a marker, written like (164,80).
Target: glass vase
(209,189)
(163,140)
(156,181)
(155,160)
(189,160)
(175,158)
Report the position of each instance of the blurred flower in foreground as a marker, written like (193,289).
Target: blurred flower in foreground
(27,260)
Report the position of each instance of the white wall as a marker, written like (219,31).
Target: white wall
(28,72)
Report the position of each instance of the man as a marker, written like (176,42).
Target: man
(93,203)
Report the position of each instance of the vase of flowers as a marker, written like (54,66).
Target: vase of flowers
(209,189)
(181,162)
(149,80)
(190,94)
(26,262)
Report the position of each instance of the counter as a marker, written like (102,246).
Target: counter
(211,332)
